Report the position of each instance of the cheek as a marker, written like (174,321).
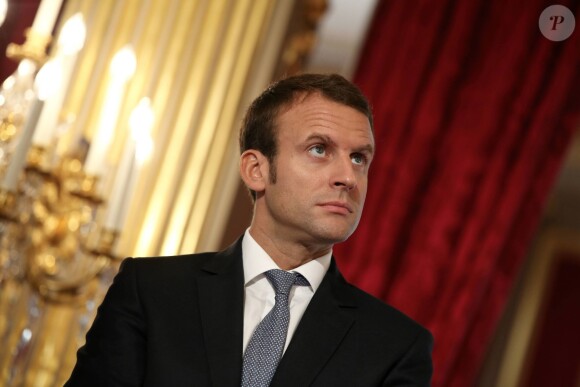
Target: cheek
(364,186)
(298,176)
(362,189)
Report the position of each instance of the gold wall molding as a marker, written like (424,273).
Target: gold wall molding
(551,244)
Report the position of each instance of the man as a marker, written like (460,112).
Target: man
(221,319)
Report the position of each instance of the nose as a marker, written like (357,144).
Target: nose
(344,175)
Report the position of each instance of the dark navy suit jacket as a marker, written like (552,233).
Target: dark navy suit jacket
(178,321)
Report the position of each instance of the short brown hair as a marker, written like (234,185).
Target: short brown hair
(258,129)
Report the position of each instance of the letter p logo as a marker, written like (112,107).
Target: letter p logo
(557,23)
(557,20)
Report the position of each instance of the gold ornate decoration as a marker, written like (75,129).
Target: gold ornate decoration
(34,48)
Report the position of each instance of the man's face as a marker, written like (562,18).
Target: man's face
(324,153)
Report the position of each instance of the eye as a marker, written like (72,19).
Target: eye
(358,159)
(317,151)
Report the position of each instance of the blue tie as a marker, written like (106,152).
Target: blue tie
(266,345)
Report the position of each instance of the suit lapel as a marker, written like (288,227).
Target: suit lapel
(322,327)
(221,295)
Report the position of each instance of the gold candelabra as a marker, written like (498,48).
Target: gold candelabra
(55,257)
(53,253)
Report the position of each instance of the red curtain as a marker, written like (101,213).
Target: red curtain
(474,109)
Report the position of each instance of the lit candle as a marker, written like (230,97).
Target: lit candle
(46,16)
(137,150)
(71,40)
(45,86)
(125,173)
(122,68)
(89,93)
(3,10)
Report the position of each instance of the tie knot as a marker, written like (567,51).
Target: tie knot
(282,281)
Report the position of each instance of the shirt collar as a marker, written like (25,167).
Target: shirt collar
(256,261)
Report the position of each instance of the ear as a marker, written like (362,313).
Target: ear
(254,169)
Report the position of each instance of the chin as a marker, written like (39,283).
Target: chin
(336,236)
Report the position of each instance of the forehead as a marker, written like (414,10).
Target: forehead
(314,112)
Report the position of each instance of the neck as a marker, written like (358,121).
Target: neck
(287,254)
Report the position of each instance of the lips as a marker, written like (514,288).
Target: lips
(337,207)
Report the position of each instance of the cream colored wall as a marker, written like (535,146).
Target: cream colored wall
(200,62)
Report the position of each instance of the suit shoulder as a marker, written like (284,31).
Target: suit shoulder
(384,314)
(162,266)
(173,260)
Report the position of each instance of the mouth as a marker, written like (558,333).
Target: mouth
(337,207)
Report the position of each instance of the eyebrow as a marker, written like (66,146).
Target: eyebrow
(366,148)
(320,137)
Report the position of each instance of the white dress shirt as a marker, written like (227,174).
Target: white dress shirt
(259,293)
